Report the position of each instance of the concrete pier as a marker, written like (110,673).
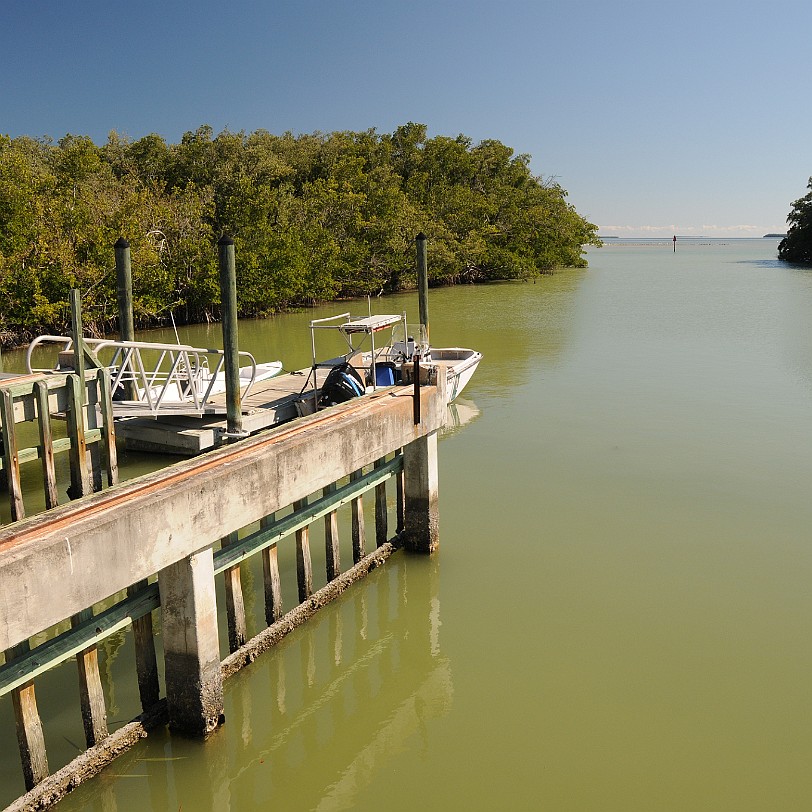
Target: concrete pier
(171,523)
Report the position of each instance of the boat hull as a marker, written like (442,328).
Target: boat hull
(460,364)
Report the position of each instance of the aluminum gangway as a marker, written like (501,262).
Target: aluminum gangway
(154,379)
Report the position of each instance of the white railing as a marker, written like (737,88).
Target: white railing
(151,378)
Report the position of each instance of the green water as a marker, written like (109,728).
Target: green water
(619,615)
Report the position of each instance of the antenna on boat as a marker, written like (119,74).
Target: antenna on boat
(174,326)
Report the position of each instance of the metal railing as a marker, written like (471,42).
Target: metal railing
(151,378)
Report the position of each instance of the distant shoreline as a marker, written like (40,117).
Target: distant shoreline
(685,238)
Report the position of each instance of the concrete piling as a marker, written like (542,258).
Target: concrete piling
(194,683)
(421,494)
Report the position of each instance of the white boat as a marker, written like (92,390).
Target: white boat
(460,364)
(386,363)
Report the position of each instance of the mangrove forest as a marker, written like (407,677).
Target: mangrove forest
(314,217)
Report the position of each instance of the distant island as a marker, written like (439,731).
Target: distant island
(776,236)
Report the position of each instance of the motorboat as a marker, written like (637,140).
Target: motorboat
(376,360)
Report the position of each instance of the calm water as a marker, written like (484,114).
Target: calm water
(619,615)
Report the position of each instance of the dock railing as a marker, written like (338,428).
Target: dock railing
(86,412)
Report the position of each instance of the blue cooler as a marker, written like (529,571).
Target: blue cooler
(384,375)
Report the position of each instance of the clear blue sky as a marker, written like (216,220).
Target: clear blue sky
(692,118)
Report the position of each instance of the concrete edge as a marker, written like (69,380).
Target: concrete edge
(90,763)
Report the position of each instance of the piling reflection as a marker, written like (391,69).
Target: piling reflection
(313,722)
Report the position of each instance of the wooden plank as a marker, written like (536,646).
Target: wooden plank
(304,564)
(358,531)
(46,444)
(91,695)
(59,445)
(381,527)
(146,664)
(331,545)
(30,737)
(400,501)
(79,473)
(108,431)
(270,571)
(65,645)
(10,458)
(235,604)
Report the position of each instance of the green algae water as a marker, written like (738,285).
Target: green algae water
(619,614)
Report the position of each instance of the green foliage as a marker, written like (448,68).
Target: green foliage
(314,217)
(797,245)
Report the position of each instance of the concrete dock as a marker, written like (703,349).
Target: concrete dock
(162,540)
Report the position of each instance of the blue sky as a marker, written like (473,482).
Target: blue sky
(692,118)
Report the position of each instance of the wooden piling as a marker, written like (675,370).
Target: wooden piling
(80,479)
(124,290)
(228,299)
(270,571)
(11,460)
(235,604)
(381,525)
(77,333)
(304,564)
(91,695)
(146,663)
(46,444)
(108,429)
(30,737)
(357,522)
(331,540)
(423,282)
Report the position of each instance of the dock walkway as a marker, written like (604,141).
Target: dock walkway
(269,403)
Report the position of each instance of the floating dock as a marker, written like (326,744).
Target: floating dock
(269,403)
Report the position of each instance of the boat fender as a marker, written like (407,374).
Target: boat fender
(342,384)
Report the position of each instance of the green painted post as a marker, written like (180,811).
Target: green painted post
(423,282)
(124,290)
(124,294)
(76,332)
(228,299)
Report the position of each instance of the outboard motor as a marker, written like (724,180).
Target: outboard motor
(342,384)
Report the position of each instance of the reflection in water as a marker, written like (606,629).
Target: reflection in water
(348,692)
(460,413)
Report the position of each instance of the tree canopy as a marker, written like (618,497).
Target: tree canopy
(797,245)
(314,217)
